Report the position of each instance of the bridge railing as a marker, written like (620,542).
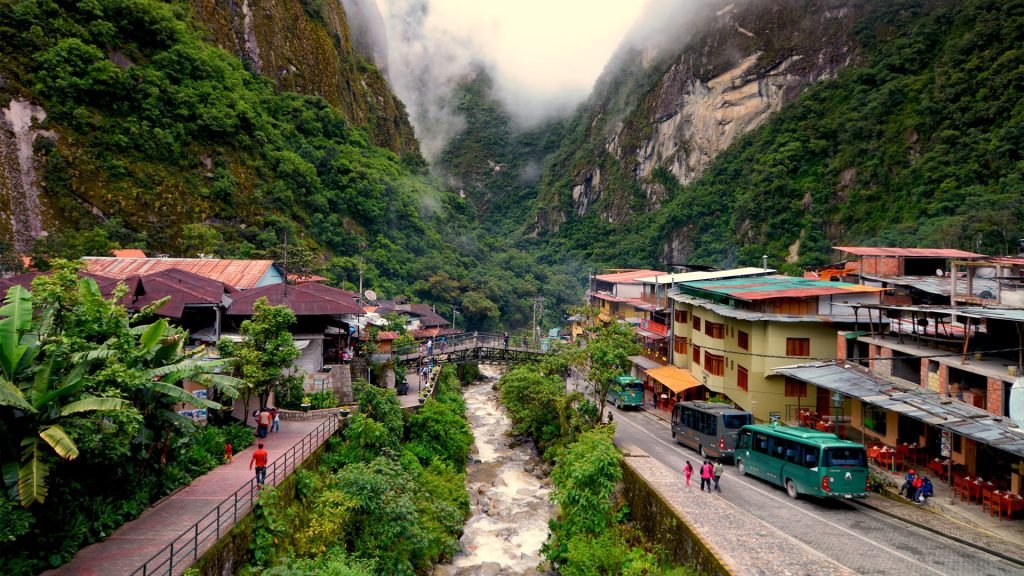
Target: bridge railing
(467,340)
(185,550)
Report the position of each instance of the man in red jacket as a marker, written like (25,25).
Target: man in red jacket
(259,458)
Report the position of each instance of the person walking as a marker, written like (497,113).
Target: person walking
(718,470)
(275,420)
(687,472)
(263,423)
(259,458)
(504,339)
(228,452)
(706,472)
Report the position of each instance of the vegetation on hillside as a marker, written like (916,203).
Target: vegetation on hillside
(162,141)
(88,400)
(917,144)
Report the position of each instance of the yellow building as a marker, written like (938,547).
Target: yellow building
(731,333)
(618,294)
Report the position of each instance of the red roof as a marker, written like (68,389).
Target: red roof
(434,332)
(628,276)
(383,336)
(128,253)
(310,299)
(296,279)
(908,252)
(242,274)
(184,288)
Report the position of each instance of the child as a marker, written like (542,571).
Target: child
(228,452)
(687,472)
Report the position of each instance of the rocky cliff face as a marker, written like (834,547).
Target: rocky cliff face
(678,109)
(19,191)
(320,47)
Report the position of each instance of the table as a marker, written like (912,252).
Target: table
(939,467)
(887,458)
(1010,502)
(976,487)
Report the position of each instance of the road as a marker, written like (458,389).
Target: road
(860,538)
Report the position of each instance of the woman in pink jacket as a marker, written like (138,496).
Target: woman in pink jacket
(687,472)
(706,472)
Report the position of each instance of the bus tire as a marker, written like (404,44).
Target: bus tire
(791,489)
(741,467)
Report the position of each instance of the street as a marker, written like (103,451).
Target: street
(859,538)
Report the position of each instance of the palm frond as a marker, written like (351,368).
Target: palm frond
(11,396)
(94,405)
(181,395)
(59,440)
(32,474)
(226,385)
(97,354)
(17,318)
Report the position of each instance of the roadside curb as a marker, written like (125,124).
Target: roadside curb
(940,532)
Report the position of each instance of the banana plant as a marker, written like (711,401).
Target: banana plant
(42,395)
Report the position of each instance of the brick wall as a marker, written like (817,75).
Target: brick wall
(994,403)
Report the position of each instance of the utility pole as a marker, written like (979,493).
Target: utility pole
(454,310)
(538,306)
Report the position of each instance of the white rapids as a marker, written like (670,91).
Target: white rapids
(508,490)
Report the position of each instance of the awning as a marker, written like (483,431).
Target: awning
(648,334)
(924,405)
(676,379)
(644,362)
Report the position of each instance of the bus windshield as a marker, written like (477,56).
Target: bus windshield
(736,420)
(845,457)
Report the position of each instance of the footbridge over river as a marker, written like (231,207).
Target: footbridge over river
(477,348)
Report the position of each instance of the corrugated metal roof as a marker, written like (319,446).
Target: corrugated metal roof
(242,274)
(941,285)
(705,275)
(1008,314)
(310,299)
(627,277)
(918,403)
(908,252)
(749,315)
(644,362)
(768,287)
(184,288)
(128,253)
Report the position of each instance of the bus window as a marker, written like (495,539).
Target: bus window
(845,457)
(736,420)
(744,442)
(810,457)
(761,443)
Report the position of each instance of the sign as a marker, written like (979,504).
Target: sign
(774,418)
(947,442)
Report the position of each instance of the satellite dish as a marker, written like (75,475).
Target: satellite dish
(370,295)
(939,272)
(986,294)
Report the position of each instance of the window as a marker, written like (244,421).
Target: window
(714,364)
(798,346)
(681,317)
(760,443)
(845,457)
(714,330)
(696,323)
(681,345)
(743,340)
(875,419)
(741,378)
(795,387)
(696,354)
(735,421)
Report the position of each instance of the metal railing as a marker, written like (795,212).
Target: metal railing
(187,547)
(461,341)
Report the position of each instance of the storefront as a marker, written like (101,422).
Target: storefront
(673,385)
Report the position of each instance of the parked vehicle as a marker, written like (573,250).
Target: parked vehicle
(626,392)
(710,428)
(804,461)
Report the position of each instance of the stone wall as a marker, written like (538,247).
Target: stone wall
(311,415)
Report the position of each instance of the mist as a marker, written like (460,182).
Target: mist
(543,55)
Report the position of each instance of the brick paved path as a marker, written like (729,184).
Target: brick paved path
(137,541)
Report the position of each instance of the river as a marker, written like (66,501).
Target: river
(508,490)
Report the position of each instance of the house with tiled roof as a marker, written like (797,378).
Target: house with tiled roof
(241,274)
(421,319)
(618,294)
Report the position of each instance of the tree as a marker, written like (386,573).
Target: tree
(265,354)
(608,351)
(45,393)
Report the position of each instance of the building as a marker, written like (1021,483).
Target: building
(915,275)
(995,282)
(730,333)
(618,294)
(240,274)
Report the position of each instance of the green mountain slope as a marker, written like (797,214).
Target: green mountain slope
(155,138)
(917,142)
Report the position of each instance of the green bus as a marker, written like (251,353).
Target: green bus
(626,392)
(803,460)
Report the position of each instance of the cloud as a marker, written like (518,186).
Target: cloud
(544,55)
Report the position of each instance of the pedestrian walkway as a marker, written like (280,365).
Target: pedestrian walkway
(136,542)
(959,520)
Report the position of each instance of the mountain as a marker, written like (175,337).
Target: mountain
(785,127)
